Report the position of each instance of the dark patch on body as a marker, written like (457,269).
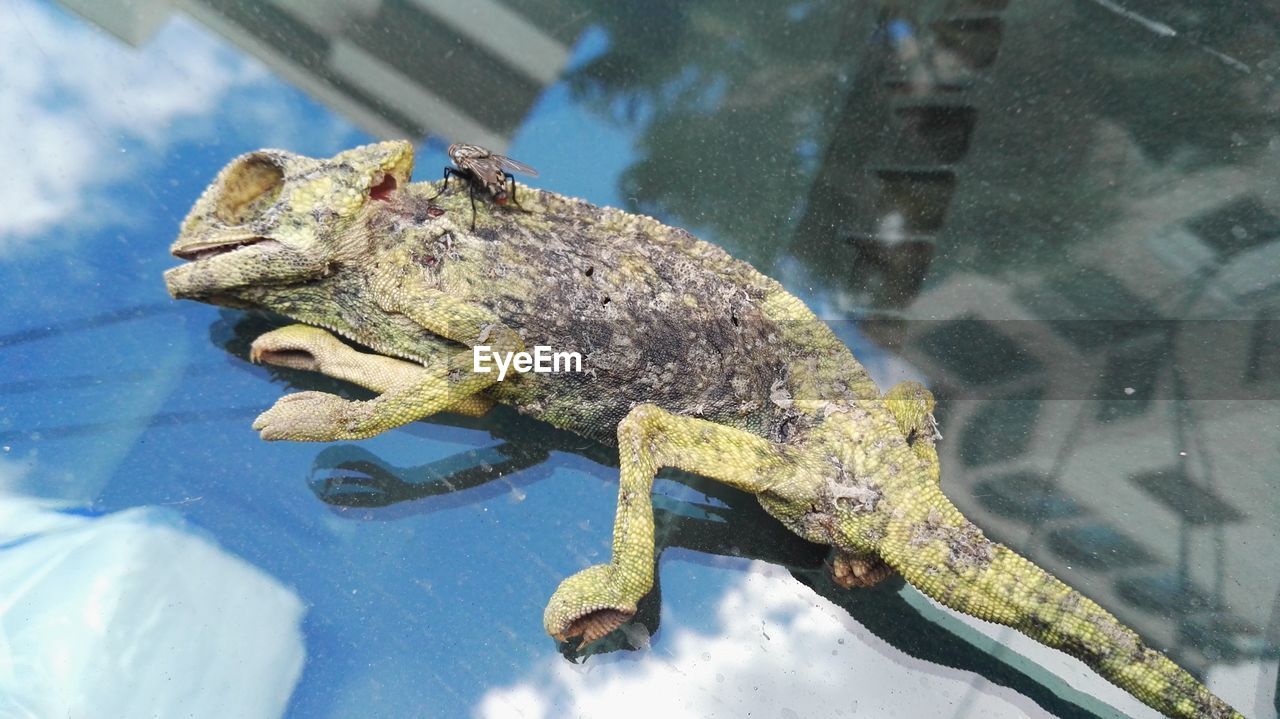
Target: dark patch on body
(967,548)
(652,325)
(1123,640)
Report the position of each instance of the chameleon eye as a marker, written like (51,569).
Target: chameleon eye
(248,187)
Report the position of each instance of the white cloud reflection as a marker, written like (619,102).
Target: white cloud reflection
(777,650)
(81,112)
(14,470)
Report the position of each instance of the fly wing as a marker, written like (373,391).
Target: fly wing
(460,152)
(513,166)
(486,170)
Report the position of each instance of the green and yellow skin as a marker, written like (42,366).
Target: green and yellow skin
(691,359)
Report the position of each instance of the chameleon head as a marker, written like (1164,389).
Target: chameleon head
(272,217)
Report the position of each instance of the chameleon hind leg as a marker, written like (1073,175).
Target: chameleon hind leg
(912,408)
(603,597)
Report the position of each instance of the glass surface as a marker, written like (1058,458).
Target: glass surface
(1063,217)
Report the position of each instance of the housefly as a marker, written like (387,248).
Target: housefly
(486,171)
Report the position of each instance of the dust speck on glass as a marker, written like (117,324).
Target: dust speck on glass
(1061,216)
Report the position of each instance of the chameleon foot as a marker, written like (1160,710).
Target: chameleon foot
(299,347)
(853,570)
(302,347)
(312,417)
(592,603)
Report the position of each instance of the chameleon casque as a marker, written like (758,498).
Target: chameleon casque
(691,359)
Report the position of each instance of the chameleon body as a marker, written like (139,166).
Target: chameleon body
(691,359)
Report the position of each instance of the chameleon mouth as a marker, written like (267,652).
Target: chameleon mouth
(195,253)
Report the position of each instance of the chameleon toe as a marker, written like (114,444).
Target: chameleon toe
(590,604)
(595,625)
(294,346)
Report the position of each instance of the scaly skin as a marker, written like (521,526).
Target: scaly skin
(691,359)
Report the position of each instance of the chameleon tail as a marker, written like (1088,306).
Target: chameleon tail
(945,556)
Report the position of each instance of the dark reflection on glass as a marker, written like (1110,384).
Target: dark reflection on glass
(1001,430)
(731,104)
(1097,546)
(1236,227)
(347,476)
(1026,497)
(1194,503)
(1165,593)
(1136,368)
(978,351)
(1227,637)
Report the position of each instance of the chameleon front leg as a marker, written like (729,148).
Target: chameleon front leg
(601,598)
(912,408)
(322,417)
(303,347)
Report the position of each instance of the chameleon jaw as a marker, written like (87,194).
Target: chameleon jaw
(215,270)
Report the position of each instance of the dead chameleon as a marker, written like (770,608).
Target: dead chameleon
(692,360)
